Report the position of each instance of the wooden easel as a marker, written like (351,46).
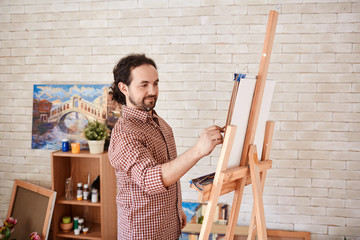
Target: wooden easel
(250,171)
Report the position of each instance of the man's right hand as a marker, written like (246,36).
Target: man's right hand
(208,140)
(172,171)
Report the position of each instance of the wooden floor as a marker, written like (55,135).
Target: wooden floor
(242,231)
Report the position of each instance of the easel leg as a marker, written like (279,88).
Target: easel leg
(235,209)
(210,210)
(217,184)
(252,226)
(269,130)
(257,192)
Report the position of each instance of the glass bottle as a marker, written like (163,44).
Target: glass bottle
(86,192)
(81,224)
(69,189)
(94,195)
(79,191)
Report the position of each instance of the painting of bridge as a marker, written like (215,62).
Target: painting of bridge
(62,112)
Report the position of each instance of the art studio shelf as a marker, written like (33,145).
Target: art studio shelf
(100,216)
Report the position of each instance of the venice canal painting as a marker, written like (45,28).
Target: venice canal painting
(62,112)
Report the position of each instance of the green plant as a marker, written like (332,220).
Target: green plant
(95,130)
(7,228)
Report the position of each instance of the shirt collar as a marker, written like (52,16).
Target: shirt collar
(138,114)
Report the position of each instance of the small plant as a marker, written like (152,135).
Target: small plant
(7,228)
(95,131)
(35,236)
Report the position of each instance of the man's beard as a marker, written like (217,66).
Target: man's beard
(142,105)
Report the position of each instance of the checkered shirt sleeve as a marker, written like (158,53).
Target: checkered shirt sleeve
(135,159)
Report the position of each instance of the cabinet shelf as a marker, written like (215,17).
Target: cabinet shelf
(61,200)
(94,233)
(100,216)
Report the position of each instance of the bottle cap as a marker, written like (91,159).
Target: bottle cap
(81,220)
(65,140)
(79,184)
(86,186)
(76,218)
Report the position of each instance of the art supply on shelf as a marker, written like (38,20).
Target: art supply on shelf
(75,147)
(94,195)
(86,192)
(81,224)
(69,189)
(79,191)
(76,231)
(65,145)
(76,222)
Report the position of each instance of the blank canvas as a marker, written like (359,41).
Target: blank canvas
(241,114)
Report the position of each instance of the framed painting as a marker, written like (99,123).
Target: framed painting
(62,112)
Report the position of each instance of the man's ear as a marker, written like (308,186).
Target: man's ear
(123,88)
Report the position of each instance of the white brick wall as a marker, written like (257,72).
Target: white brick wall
(314,183)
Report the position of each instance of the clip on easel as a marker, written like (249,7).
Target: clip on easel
(250,171)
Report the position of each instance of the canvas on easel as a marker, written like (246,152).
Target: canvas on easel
(238,163)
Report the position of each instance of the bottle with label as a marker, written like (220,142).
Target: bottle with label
(79,191)
(94,195)
(81,224)
(86,192)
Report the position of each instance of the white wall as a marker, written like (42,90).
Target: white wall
(314,183)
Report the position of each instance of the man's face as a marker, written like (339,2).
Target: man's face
(143,90)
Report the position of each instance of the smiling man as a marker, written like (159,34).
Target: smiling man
(143,152)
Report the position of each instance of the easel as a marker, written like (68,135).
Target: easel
(250,171)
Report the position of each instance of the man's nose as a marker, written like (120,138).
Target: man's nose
(153,90)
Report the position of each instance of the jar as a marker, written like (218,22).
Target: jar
(85,230)
(86,192)
(81,224)
(69,189)
(76,222)
(65,145)
(79,197)
(76,231)
(75,147)
(79,190)
(94,195)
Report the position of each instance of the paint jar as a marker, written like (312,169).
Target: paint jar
(85,230)
(86,192)
(69,189)
(76,231)
(79,191)
(65,145)
(75,147)
(94,195)
(81,224)
(76,223)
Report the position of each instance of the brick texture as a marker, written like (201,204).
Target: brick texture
(198,44)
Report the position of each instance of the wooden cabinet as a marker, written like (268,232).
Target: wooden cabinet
(101,216)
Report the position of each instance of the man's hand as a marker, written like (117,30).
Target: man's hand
(172,171)
(183,219)
(209,138)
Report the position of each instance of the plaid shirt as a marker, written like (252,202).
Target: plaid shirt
(147,209)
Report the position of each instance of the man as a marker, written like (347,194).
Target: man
(142,150)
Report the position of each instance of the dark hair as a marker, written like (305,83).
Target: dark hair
(122,73)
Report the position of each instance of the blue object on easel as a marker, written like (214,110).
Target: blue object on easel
(238,76)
